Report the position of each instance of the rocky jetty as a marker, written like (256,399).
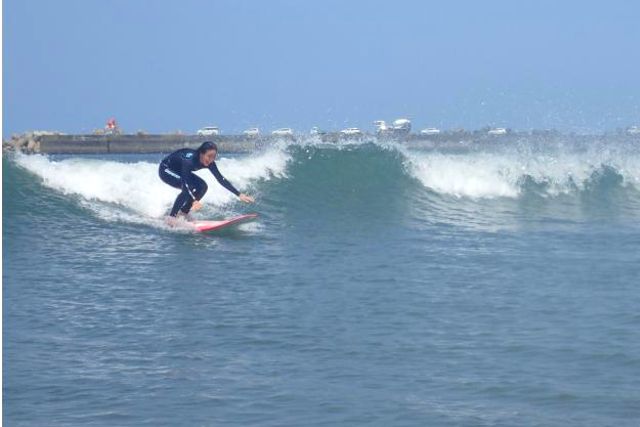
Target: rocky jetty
(28,142)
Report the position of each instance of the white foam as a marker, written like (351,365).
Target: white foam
(133,192)
(502,174)
(469,176)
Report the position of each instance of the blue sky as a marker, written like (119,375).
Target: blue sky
(162,66)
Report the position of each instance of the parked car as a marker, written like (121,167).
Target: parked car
(633,130)
(209,130)
(399,127)
(497,131)
(253,132)
(402,126)
(430,131)
(283,132)
(381,126)
(351,132)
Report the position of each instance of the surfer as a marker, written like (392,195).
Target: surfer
(177,170)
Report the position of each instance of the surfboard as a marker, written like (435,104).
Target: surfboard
(206,226)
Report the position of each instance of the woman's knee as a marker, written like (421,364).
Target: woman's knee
(202,189)
(170,179)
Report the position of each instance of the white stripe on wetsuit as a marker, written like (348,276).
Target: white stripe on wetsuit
(172,173)
(175,175)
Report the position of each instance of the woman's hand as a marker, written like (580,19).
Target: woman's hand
(246,198)
(196,205)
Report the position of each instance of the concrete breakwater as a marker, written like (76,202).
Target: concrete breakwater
(39,142)
(46,143)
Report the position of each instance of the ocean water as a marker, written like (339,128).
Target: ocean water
(477,285)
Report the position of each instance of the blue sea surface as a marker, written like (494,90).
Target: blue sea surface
(482,286)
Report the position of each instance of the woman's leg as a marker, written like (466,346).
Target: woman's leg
(169,177)
(200,190)
(173,179)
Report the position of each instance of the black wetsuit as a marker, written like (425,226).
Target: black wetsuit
(177,170)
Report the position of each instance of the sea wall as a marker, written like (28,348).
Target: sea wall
(117,144)
(56,143)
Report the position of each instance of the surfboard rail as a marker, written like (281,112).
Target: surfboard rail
(205,225)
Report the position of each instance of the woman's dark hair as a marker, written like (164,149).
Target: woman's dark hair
(207,146)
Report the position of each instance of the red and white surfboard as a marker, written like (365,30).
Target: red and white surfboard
(204,226)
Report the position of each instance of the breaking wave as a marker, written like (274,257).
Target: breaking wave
(358,177)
